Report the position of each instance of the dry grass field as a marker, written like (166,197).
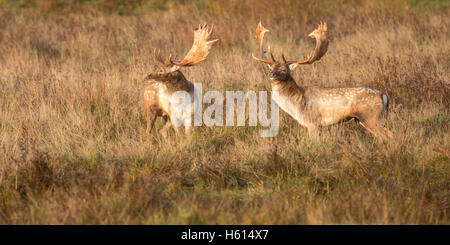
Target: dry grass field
(73,148)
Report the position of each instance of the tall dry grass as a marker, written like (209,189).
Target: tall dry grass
(73,148)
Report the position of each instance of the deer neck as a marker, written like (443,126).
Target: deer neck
(178,83)
(287,88)
(290,98)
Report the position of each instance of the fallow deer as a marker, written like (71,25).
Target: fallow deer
(168,79)
(313,107)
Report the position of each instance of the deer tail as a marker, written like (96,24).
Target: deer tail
(385,100)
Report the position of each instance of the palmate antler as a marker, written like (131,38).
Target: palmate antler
(197,53)
(260,31)
(320,34)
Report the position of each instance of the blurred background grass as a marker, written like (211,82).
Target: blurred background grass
(215,7)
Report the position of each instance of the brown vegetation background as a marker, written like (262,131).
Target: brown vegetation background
(73,148)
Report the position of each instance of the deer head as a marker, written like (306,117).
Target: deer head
(280,70)
(169,68)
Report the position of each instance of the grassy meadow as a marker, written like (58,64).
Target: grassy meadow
(73,147)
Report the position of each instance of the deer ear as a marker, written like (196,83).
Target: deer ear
(293,66)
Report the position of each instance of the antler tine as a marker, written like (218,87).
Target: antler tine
(169,60)
(282,57)
(158,55)
(271,56)
(211,30)
(321,36)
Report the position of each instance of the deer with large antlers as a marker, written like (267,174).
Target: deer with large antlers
(168,79)
(313,107)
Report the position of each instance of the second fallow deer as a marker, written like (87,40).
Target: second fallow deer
(313,107)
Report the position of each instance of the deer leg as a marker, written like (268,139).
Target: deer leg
(188,125)
(369,129)
(385,131)
(375,128)
(313,131)
(177,129)
(188,129)
(167,123)
(388,133)
(151,118)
